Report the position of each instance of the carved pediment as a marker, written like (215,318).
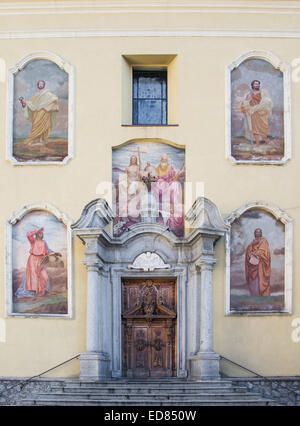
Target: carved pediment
(149,261)
(159,312)
(205,214)
(149,304)
(96,214)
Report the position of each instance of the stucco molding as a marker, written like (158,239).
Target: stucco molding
(286,72)
(13,220)
(287,221)
(12,72)
(117,7)
(150,32)
(27,208)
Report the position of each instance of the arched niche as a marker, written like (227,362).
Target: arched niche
(258,128)
(42,131)
(39,267)
(259,259)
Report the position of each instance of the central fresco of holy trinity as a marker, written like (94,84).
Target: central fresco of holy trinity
(148,182)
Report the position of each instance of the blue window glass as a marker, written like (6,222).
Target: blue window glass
(149,97)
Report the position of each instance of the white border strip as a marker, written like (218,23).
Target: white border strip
(151,32)
(56,8)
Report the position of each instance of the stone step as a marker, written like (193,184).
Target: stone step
(147,391)
(143,385)
(165,392)
(169,397)
(142,402)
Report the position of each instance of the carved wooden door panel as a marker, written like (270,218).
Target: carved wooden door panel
(149,328)
(140,351)
(162,350)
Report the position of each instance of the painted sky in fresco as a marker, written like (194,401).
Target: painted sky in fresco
(270,79)
(25,85)
(54,234)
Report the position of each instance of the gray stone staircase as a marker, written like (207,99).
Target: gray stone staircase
(168,392)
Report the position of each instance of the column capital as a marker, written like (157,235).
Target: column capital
(93,265)
(205,264)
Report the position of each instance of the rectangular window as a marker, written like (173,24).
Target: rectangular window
(149,97)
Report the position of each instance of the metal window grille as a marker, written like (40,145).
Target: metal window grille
(149,97)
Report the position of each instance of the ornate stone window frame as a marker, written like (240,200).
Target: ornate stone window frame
(14,218)
(287,221)
(285,69)
(69,69)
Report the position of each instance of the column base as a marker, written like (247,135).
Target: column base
(205,366)
(94,366)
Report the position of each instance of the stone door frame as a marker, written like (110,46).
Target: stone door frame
(177,273)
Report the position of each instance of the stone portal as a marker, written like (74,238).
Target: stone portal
(149,296)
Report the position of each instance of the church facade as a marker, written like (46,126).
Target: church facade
(149,171)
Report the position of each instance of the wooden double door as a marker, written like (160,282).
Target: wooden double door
(149,328)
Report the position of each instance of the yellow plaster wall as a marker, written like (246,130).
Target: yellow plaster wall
(260,343)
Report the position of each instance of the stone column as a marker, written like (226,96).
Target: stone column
(207,223)
(94,363)
(206,306)
(205,363)
(92,320)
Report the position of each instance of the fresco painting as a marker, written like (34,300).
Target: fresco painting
(257,267)
(39,265)
(257,111)
(148,184)
(40,123)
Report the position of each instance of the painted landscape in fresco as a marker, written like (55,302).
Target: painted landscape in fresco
(39,261)
(40,124)
(148,180)
(257,265)
(257,111)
